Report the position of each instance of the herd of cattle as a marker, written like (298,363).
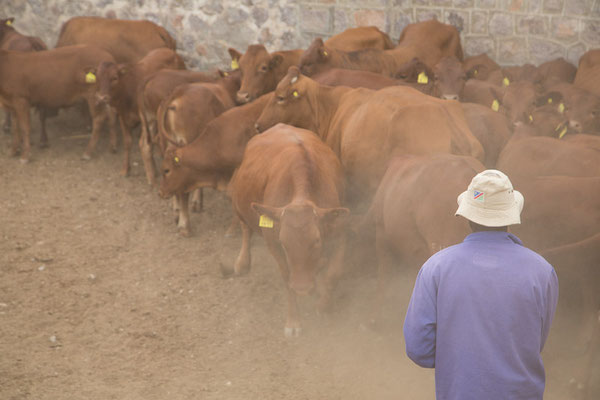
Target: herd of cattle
(359,132)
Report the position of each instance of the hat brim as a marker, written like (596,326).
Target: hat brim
(487,217)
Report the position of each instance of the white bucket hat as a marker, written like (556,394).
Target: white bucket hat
(491,200)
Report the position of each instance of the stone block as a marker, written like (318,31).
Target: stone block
(542,50)
(260,15)
(565,29)
(463,3)
(501,24)
(553,6)
(423,14)
(479,22)
(475,45)
(289,15)
(421,2)
(512,51)
(316,19)
(578,7)
(575,52)
(400,3)
(365,3)
(400,21)
(531,24)
(591,32)
(197,24)
(370,17)
(485,3)
(212,7)
(341,20)
(458,19)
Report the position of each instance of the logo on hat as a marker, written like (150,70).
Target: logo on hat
(478,196)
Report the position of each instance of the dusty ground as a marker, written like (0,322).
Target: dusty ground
(100,299)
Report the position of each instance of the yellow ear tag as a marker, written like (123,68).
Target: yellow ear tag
(325,53)
(225,73)
(530,118)
(234,64)
(295,93)
(422,78)
(505,81)
(176,159)
(549,100)
(475,72)
(495,105)
(561,108)
(265,222)
(563,132)
(90,77)
(8,23)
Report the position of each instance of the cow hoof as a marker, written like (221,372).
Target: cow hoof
(124,173)
(292,332)
(185,232)
(196,207)
(24,160)
(86,157)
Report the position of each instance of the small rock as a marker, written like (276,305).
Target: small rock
(53,338)
(228,383)
(92,276)
(41,267)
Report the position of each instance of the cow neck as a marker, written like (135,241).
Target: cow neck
(325,102)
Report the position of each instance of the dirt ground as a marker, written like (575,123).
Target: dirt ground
(101,299)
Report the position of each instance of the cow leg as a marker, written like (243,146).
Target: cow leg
(385,260)
(332,275)
(111,114)
(146,144)
(242,263)
(198,200)
(183,221)
(235,222)
(43,133)
(126,132)
(7,121)
(21,108)
(16,134)
(98,117)
(292,323)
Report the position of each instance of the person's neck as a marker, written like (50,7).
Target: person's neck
(480,228)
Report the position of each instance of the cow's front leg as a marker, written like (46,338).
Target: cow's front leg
(126,132)
(198,200)
(16,133)
(22,115)
(332,275)
(98,117)
(243,261)
(183,222)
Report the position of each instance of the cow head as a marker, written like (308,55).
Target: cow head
(519,101)
(108,75)
(175,175)
(302,228)
(314,59)
(6,26)
(545,120)
(583,112)
(291,103)
(258,69)
(449,78)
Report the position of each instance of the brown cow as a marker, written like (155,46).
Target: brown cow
(119,83)
(449,78)
(261,70)
(428,41)
(479,66)
(152,92)
(128,41)
(557,70)
(546,120)
(185,113)
(11,39)
(413,210)
(582,107)
(290,188)
(53,79)
(536,156)
(362,37)
(588,73)
(364,127)
(490,128)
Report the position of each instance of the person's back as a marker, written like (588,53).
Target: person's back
(481,310)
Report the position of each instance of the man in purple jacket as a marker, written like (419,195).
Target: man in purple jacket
(481,310)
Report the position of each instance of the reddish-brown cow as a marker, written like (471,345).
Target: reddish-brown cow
(588,73)
(128,41)
(119,84)
(364,127)
(261,70)
(490,128)
(53,79)
(362,37)
(152,92)
(290,188)
(479,67)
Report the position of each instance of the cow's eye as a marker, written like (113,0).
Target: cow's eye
(280,99)
(166,171)
(263,68)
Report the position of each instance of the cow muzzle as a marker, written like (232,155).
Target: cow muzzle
(450,96)
(102,99)
(243,97)
(575,125)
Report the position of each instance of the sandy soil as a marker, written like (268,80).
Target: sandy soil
(101,299)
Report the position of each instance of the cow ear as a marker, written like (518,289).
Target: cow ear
(333,217)
(222,73)
(235,55)
(477,71)
(273,213)
(275,61)
(549,98)
(9,21)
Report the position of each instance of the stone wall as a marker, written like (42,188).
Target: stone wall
(510,31)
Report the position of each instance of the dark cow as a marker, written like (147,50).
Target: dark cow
(119,84)
(261,70)
(557,70)
(53,79)
(431,40)
(366,127)
(128,41)
(588,73)
(290,189)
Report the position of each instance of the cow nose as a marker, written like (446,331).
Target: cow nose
(243,97)
(101,98)
(575,125)
(450,97)
(257,127)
